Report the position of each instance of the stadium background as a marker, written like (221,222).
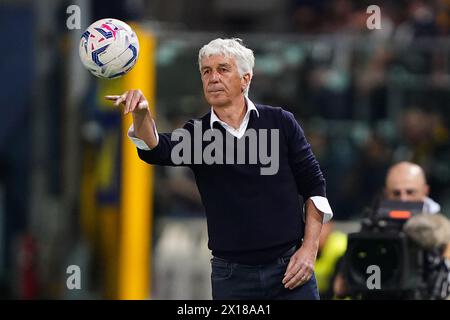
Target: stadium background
(366,99)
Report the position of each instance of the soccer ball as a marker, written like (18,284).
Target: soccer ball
(109,48)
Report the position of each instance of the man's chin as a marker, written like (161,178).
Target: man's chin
(217,101)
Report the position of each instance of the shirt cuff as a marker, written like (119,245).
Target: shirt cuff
(322,204)
(139,143)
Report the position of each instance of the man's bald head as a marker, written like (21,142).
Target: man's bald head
(406,181)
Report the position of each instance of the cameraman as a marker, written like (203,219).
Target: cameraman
(405,181)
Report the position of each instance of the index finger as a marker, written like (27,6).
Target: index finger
(292,269)
(112,97)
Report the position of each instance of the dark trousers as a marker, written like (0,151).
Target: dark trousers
(234,281)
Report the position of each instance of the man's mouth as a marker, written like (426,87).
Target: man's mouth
(215,90)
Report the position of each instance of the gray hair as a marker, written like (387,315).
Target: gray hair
(245,60)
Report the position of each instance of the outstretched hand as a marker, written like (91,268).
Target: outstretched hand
(144,126)
(133,101)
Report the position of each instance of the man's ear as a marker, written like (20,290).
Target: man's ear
(427,190)
(245,80)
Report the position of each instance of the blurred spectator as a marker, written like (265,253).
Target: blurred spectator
(443,16)
(421,21)
(306,15)
(368,173)
(425,141)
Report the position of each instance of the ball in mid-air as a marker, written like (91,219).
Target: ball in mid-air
(109,48)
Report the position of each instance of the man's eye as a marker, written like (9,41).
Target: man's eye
(397,193)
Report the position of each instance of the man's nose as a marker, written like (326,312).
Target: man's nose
(404,196)
(214,76)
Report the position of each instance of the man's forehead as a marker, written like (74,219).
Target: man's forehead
(217,59)
(403,188)
(405,182)
(405,174)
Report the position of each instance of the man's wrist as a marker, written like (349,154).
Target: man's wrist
(145,128)
(311,246)
(140,116)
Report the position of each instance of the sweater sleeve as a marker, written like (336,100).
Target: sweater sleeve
(162,153)
(305,167)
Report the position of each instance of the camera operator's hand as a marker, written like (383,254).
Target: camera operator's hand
(339,287)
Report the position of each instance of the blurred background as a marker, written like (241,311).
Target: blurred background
(366,99)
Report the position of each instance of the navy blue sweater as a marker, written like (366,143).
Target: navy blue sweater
(253,218)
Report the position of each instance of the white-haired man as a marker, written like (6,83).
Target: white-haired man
(263,246)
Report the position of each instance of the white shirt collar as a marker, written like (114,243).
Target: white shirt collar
(431,206)
(250,107)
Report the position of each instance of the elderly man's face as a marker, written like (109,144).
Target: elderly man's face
(222,83)
(405,184)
